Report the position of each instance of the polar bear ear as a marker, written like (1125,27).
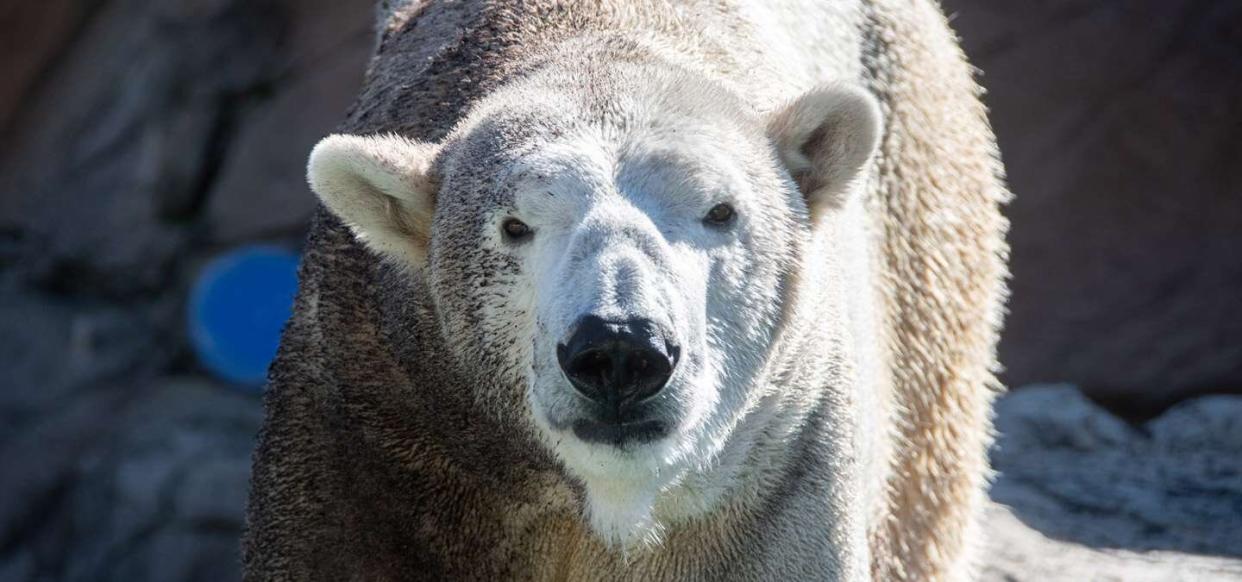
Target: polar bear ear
(382,187)
(825,137)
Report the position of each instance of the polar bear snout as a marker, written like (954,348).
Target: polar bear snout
(617,364)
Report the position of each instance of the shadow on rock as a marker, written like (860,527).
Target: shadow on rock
(1073,472)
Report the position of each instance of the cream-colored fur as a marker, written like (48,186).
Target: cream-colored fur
(381,186)
(839,426)
(825,138)
(843,122)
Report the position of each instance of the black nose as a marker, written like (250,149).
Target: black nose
(617,363)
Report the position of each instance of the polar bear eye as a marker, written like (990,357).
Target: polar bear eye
(515,229)
(720,215)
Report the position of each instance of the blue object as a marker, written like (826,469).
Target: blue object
(238,306)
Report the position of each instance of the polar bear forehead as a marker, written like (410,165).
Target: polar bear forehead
(551,142)
(686,164)
(619,104)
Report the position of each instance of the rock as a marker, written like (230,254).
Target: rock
(52,349)
(35,33)
(1088,493)
(1014,552)
(156,126)
(210,492)
(109,157)
(18,567)
(1207,425)
(1118,123)
(138,139)
(182,555)
(261,191)
(147,483)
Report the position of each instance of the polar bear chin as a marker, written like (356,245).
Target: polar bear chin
(622,488)
(622,514)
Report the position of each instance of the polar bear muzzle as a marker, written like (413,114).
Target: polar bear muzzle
(617,365)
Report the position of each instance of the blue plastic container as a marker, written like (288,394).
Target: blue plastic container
(237,309)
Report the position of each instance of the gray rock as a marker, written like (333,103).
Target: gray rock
(156,126)
(1212,424)
(182,555)
(1015,552)
(138,139)
(35,33)
(110,156)
(213,490)
(147,483)
(261,190)
(17,567)
(52,347)
(1118,122)
(1087,494)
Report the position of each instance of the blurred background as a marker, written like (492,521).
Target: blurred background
(140,141)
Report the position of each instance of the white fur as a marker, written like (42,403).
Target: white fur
(617,217)
(846,120)
(358,177)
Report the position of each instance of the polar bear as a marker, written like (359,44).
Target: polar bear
(642,290)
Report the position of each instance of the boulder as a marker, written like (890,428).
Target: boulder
(130,483)
(1119,125)
(1015,552)
(158,133)
(1081,494)
(261,190)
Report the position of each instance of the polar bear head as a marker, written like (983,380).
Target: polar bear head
(610,248)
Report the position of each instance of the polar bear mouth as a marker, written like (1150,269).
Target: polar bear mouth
(620,434)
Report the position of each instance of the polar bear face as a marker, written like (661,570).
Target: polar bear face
(611,263)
